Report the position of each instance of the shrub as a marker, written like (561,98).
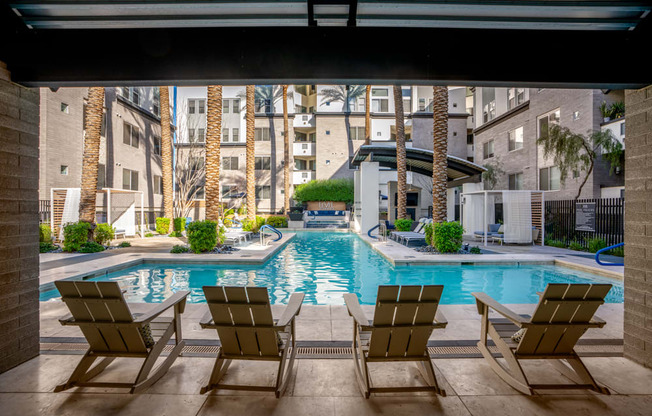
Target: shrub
(618,251)
(149,235)
(596,244)
(228,222)
(202,235)
(574,245)
(403,224)
(44,233)
(46,247)
(176,234)
(428,233)
(253,226)
(554,243)
(74,235)
(179,224)
(104,233)
(179,249)
(221,235)
(475,250)
(91,247)
(162,225)
(124,244)
(447,236)
(338,190)
(242,211)
(277,221)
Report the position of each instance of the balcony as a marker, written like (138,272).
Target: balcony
(302,176)
(304,120)
(303,149)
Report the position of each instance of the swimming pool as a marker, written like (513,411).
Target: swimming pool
(325,265)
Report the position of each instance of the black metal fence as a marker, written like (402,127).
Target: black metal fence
(560,220)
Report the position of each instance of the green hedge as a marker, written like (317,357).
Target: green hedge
(179,224)
(447,236)
(337,190)
(162,225)
(91,247)
(277,221)
(202,235)
(74,235)
(44,233)
(403,224)
(253,226)
(104,233)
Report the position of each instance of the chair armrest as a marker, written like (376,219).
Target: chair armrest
(179,297)
(598,321)
(355,310)
(67,320)
(483,299)
(206,320)
(440,318)
(292,309)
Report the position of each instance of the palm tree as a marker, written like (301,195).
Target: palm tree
(213,138)
(166,154)
(400,153)
(345,94)
(440,150)
(286,153)
(91,156)
(251,156)
(367,115)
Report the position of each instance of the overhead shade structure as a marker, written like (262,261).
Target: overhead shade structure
(417,161)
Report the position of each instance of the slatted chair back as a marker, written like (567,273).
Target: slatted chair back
(103,315)
(561,317)
(403,320)
(244,319)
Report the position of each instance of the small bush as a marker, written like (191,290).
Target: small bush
(574,245)
(403,224)
(176,234)
(202,236)
(228,222)
(149,235)
(46,247)
(596,244)
(618,251)
(104,233)
(242,210)
(44,233)
(253,226)
(179,249)
(162,225)
(91,247)
(428,233)
(74,235)
(277,221)
(447,236)
(179,224)
(475,250)
(124,244)
(555,243)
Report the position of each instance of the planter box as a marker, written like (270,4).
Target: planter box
(296,216)
(326,206)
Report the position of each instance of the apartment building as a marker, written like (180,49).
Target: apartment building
(129,151)
(509,121)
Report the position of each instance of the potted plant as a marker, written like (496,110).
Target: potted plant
(296,214)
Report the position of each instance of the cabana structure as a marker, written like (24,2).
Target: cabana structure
(522,215)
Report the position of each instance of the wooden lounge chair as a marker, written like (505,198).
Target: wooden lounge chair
(103,316)
(400,330)
(564,313)
(243,320)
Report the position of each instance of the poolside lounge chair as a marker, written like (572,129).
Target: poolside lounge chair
(400,330)
(100,311)
(492,231)
(564,313)
(396,235)
(418,234)
(242,317)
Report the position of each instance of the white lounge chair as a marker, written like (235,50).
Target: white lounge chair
(400,331)
(564,313)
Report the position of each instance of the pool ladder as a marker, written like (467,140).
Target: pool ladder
(262,234)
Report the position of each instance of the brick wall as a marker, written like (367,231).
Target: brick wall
(19,263)
(638,227)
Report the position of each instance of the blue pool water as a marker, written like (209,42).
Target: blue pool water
(326,265)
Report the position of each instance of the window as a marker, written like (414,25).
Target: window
(101,176)
(230,163)
(263,192)
(622,129)
(549,179)
(64,169)
(328,132)
(263,163)
(125,92)
(130,179)
(545,121)
(65,108)
(135,95)
(191,135)
(422,104)
(489,104)
(263,105)
(201,106)
(229,191)
(516,181)
(158,185)
(488,149)
(201,135)
(515,139)
(576,115)
(225,134)
(156,102)
(379,100)
(191,107)
(130,135)
(261,134)
(356,133)
(235,134)
(157,145)
(515,97)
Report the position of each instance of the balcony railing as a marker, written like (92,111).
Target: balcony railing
(302,176)
(304,149)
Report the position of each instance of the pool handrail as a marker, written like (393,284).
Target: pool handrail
(371,229)
(269,227)
(601,263)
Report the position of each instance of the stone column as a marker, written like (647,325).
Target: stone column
(369,176)
(19,261)
(638,226)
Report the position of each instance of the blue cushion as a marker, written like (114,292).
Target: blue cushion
(493,228)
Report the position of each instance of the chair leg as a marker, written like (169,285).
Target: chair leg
(513,373)
(99,367)
(160,370)
(79,372)
(219,369)
(359,363)
(428,373)
(582,372)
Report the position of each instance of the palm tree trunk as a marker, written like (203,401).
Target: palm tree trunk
(166,154)
(251,156)
(91,156)
(440,149)
(286,153)
(213,138)
(400,153)
(367,116)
